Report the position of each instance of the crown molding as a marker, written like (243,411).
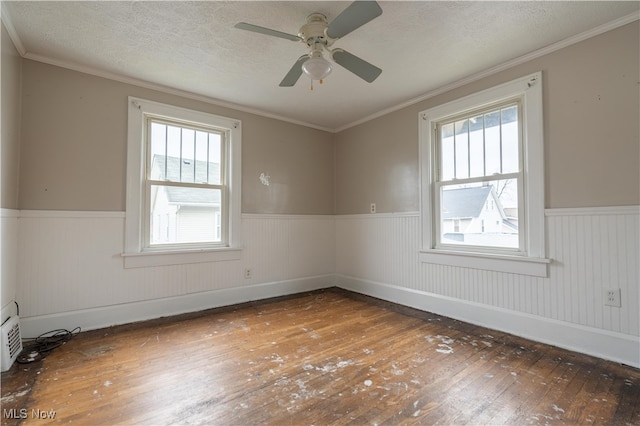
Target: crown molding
(6,19)
(167,89)
(504,66)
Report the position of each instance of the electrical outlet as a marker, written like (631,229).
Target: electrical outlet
(248,274)
(612,297)
(373,208)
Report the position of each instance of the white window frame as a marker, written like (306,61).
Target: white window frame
(531,259)
(136,253)
(439,182)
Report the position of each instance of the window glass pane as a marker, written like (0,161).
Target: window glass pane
(183,154)
(476,146)
(173,152)
(184,215)
(214,155)
(510,137)
(187,156)
(158,151)
(447,152)
(492,143)
(462,149)
(481,214)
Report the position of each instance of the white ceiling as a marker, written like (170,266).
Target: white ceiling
(421,46)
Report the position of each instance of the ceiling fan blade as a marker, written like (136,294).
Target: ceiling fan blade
(359,67)
(354,16)
(266,31)
(294,73)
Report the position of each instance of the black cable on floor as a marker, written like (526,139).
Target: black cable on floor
(42,345)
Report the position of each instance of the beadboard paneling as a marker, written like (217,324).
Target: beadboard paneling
(9,260)
(71,261)
(592,249)
(69,267)
(379,247)
(593,252)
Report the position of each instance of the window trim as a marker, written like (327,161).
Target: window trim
(135,254)
(222,186)
(532,261)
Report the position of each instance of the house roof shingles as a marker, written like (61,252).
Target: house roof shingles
(174,169)
(464,203)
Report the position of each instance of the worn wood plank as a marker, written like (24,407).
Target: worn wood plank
(327,357)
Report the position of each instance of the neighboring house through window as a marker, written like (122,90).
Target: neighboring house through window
(483,180)
(469,217)
(183,186)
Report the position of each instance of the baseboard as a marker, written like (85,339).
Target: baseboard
(604,344)
(101,317)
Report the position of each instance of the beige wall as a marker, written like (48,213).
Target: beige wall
(298,162)
(74,140)
(10,150)
(74,148)
(591,114)
(377,162)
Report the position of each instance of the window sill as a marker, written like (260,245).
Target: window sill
(533,266)
(179,257)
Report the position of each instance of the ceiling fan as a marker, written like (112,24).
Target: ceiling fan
(319,35)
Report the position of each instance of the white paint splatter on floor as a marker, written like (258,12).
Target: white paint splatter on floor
(13,396)
(445,339)
(277,358)
(444,349)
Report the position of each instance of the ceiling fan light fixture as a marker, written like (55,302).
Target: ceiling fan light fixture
(317,68)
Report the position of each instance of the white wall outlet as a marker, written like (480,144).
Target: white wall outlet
(612,297)
(373,208)
(248,273)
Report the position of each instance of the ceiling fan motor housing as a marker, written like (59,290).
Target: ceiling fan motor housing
(315,30)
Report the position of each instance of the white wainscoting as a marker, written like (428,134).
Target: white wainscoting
(592,249)
(71,271)
(9,261)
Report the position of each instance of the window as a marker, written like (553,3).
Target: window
(183,186)
(483,180)
(477,177)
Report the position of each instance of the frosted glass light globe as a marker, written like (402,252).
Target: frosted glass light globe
(317,68)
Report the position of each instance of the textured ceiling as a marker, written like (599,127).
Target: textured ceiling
(193,46)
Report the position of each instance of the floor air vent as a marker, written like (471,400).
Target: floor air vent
(11,342)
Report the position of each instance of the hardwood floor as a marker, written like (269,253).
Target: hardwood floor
(328,357)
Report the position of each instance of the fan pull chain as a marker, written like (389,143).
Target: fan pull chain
(320,81)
